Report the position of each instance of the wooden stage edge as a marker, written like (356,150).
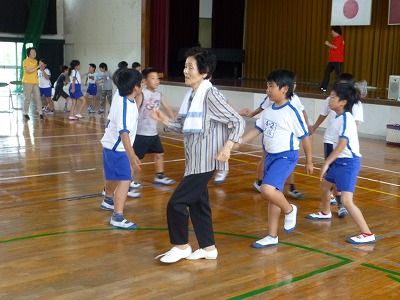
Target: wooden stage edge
(376,96)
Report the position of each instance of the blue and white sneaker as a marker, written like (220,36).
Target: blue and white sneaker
(125,224)
(104,205)
(136,185)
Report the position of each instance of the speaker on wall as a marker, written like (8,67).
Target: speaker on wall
(394,87)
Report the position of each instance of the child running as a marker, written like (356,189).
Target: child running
(147,139)
(59,87)
(343,164)
(75,90)
(283,126)
(119,158)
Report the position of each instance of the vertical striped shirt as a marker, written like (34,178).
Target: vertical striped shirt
(221,123)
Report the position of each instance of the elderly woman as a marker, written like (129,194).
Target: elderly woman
(210,127)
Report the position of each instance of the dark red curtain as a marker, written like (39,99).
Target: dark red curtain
(227,33)
(183,33)
(159,18)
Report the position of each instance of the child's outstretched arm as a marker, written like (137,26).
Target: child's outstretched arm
(167,108)
(308,152)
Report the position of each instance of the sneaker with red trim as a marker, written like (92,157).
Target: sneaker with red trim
(319,216)
(361,239)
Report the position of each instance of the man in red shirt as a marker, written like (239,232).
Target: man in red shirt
(336,56)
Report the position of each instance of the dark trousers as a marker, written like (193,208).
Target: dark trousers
(337,66)
(191,197)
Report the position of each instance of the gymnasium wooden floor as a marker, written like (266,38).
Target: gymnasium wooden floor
(56,243)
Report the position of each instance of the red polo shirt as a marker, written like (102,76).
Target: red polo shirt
(337,55)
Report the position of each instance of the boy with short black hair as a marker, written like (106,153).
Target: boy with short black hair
(59,87)
(147,138)
(283,126)
(106,92)
(119,158)
(91,91)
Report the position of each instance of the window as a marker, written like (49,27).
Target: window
(10,61)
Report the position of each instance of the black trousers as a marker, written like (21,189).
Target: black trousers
(191,198)
(337,66)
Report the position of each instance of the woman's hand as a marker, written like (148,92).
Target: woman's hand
(225,152)
(158,115)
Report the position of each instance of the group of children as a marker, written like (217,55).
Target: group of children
(93,79)
(283,125)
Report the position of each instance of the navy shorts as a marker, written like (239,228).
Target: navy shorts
(278,167)
(46,92)
(116,165)
(92,89)
(343,172)
(78,91)
(147,144)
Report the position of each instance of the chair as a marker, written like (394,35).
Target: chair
(16,83)
(10,103)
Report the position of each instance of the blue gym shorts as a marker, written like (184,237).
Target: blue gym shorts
(46,92)
(92,89)
(343,172)
(116,165)
(78,91)
(278,167)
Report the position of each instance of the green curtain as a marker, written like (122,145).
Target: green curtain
(34,27)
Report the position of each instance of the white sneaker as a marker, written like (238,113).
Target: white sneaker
(79,116)
(319,216)
(333,200)
(290,220)
(134,193)
(221,176)
(361,239)
(104,205)
(256,186)
(174,255)
(136,185)
(72,118)
(201,253)
(267,241)
(123,224)
(164,180)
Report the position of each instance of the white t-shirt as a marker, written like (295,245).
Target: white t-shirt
(146,124)
(92,78)
(43,82)
(75,74)
(329,136)
(295,100)
(123,117)
(282,128)
(344,126)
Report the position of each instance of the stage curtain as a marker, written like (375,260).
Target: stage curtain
(291,34)
(159,35)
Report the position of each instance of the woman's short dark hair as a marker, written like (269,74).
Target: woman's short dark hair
(337,29)
(28,50)
(206,60)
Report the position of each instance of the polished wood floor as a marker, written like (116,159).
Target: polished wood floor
(56,243)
